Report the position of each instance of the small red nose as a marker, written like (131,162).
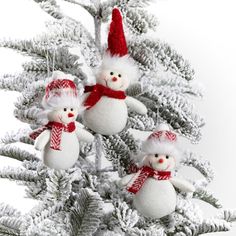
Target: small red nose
(70,114)
(114,79)
(161,161)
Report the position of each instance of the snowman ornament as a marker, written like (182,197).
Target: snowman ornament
(59,139)
(106,101)
(153,185)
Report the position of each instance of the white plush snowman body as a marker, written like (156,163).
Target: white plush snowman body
(109,116)
(68,152)
(153,185)
(59,139)
(106,102)
(64,158)
(157,198)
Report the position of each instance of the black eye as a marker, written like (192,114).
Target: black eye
(71,109)
(111,73)
(119,75)
(156,155)
(65,109)
(167,157)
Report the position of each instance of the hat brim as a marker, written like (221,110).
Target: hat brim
(64,100)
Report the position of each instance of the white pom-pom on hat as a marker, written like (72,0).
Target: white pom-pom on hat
(61,75)
(161,141)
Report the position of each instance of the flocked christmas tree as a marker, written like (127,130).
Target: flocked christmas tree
(86,199)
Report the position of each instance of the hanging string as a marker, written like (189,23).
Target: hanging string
(47,57)
(53,58)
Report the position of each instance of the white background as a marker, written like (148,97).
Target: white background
(202,30)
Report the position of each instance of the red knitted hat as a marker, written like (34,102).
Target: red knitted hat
(116,37)
(161,141)
(56,87)
(61,91)
(163,134)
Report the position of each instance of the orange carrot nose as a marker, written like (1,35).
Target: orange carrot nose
(161,161)
(70,114)
(114,79)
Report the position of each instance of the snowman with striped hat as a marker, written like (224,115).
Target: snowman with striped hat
(59,139)
(106,102)
(153,185)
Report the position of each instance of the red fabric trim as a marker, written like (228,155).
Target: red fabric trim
(97,91)
(166,134)
(146,172)
(56,132)
(60,84)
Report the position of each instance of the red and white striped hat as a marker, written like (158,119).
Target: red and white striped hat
(161,141)
(60,92)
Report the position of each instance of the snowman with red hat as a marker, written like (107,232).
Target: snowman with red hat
(153,185)
(106,103)
(59,139)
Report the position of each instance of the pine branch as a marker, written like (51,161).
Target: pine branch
(50,7)
(189,211)
(146,232)
(58,185)
(4,231)
(204,195)
(227,214)
(18,174)
(126,217)
(134,89)
(107,6)
(87,5)
(38,215)
(38,65)
(18,82)
(150,53)
(29,116)
(6,210)
(138,20)
(21,135)
(201,165)
(31,96)
(173,109)
(86,214)
(207,226)
(118,152)
(12,223)
(130,141)
(140,122)
(17,153)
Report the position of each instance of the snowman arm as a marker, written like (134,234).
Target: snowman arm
(42,140)
(182,184)
(136,105)
(78,125)
(125,180)
(84,135)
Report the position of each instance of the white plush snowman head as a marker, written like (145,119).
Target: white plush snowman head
(117,73)
(160,162)
(64,115)
(61,102)
(161,149)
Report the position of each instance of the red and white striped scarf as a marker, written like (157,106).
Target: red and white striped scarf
(56,132)
(142,175)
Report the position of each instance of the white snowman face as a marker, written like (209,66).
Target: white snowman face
(63,115)
(113,79)
(161,162)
